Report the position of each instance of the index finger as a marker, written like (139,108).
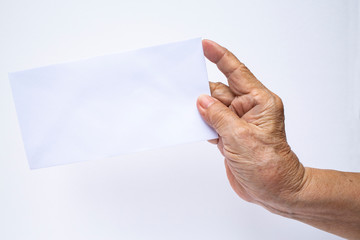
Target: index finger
(241,80)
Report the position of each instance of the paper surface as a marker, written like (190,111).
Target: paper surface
(112,105)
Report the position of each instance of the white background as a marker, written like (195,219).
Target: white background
(305,51)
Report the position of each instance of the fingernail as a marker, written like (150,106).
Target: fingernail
(205,101)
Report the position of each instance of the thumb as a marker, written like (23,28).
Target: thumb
(218,116)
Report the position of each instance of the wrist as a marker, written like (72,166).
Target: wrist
(290,204)
(295,178)
(328,200)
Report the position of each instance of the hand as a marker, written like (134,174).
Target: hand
(249,119)
(260,165)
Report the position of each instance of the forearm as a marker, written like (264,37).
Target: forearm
(329,200)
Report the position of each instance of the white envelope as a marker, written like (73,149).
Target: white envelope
(112,105)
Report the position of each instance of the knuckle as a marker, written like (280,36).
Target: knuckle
(241,132)
(259,94)
(238,67)
(278,103)
(262,95)
(243,67)
(256,92)
(218,117)
(227,54)
(233,63)
(217,88)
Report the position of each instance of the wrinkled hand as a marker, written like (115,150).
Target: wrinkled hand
(249,120)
